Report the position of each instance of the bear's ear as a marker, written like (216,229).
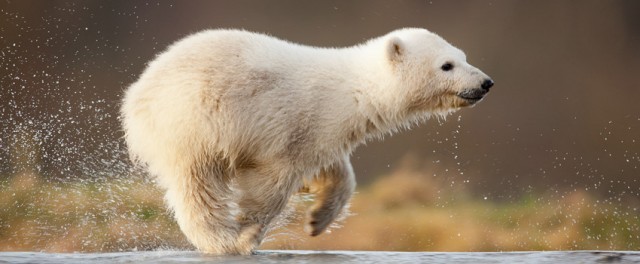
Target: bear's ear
(395,49)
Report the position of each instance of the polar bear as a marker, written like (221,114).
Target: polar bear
(233,123)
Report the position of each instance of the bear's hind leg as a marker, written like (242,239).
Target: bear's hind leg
(265,193)
(202,200)
(333,187)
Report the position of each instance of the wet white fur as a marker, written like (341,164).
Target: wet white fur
(233,123)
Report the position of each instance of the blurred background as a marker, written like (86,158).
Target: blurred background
(548,161)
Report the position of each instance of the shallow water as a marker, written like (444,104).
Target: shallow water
(293,256)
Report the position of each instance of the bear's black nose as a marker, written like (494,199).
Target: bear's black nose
(487,84)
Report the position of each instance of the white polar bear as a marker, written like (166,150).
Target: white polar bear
(233,123)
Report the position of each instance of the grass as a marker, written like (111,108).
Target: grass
(87,217)
(416,215)
(405,211)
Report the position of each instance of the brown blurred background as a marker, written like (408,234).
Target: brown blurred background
(562,119)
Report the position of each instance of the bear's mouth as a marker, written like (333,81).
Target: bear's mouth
(472,99)
(473,95)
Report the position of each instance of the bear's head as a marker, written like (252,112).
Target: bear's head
(434,74)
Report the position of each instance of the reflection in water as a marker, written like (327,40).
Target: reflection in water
(312,257)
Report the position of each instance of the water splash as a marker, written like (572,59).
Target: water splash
(66,183)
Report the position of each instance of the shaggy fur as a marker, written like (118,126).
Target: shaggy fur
(233,123)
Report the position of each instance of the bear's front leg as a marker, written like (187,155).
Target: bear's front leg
(333,187)
(265,193)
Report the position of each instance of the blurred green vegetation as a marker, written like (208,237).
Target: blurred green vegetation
(86,216)
(404,211)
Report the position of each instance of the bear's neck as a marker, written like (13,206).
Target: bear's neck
(381,104)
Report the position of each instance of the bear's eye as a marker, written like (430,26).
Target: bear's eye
(447,66)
